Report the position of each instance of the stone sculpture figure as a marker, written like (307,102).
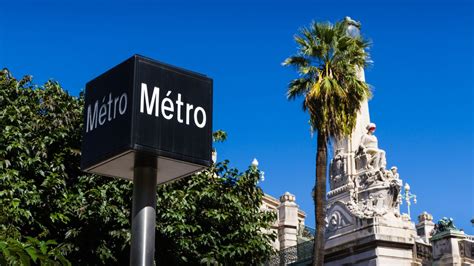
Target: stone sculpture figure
(337,169)
(369,146)
(445,224)
(394,171)
(392,174)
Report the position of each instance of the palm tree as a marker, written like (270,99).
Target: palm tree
(327,61)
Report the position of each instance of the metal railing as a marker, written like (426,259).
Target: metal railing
(300,253)
(306,232)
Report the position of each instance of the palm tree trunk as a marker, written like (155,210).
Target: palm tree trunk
(319,197)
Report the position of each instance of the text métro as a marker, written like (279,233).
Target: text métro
(169,109)
(106,110)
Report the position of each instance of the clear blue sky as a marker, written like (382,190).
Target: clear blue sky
(422,77)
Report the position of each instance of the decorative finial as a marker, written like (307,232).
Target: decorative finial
(255,162)
(424,216)
(287,197)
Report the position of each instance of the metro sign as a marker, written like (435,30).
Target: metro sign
(144,109)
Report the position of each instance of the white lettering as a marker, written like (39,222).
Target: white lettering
(179,103)
(203,122)
(144,100)
(189,107)
(123,99)
(109,103)
(103,112)
(169,107)
(92,120)
(115,105)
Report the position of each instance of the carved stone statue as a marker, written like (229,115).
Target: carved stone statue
(392,174)
(337,171)
(394,171)
(375,157)
(371,191)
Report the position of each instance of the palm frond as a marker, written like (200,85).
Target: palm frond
(298,87)
(327,62)
(296,60)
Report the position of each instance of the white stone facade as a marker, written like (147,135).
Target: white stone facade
(289,222)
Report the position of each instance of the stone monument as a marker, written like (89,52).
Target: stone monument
(364,225)
(449,245)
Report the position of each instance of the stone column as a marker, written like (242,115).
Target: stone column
(425,226)
(349,145)
(288,221)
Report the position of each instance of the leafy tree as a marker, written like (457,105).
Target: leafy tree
(52,213)
(37,138)
(327,61)
(213,217)
(15,252)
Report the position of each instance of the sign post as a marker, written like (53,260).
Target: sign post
(143,213)
(148,122)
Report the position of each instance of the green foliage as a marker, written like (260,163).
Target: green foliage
(213,216)
(33,250)
(52,213)
(219,136)
(38,137)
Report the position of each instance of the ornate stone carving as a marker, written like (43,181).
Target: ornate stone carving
(287,197)
(395,189)
(372,190)
(423,253)
(366,208)
(424,216)
(351,187)
(338,216)
(375,193)
(394,171)
(368,155)
(337,170)
(337,191)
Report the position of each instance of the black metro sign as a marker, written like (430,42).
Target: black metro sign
(142,108)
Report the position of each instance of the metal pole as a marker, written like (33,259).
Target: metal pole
(142,250)
(408,204)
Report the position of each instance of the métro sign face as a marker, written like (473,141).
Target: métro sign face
(145,109)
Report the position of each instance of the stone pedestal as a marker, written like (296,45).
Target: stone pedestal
(446,248)
(373,241)
(288,221)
